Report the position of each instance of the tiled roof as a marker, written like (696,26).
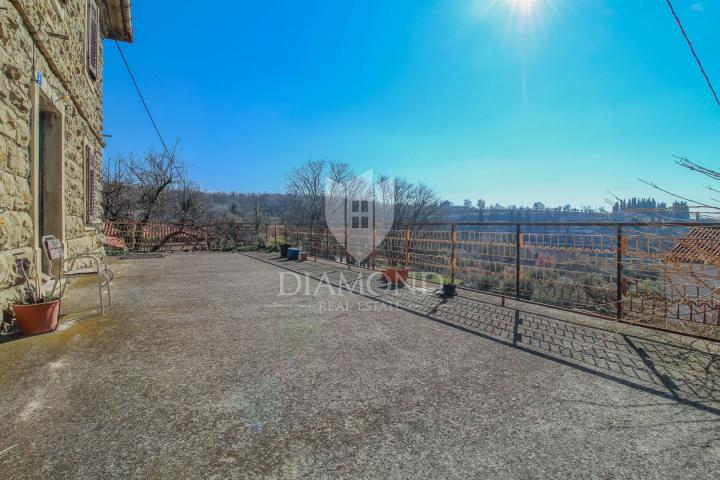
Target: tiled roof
(700,245)
(153,232)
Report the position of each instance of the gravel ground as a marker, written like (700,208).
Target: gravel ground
(202,370)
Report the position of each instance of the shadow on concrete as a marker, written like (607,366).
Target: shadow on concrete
(656,365)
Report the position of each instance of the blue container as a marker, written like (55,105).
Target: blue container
(293,254)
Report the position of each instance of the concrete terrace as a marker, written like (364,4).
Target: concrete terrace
(201,370)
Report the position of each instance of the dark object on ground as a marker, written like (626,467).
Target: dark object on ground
(447,290)
(284,250)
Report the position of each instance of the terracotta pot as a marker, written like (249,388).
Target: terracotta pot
(37,318)
(303,256)
(396,275)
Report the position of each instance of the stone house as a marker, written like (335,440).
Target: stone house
(51,125)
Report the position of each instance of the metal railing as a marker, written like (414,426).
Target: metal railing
(663,275)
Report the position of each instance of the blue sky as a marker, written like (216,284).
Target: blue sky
(482,99)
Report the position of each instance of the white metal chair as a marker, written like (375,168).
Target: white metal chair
(62,268)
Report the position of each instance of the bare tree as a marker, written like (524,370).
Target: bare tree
(711,208)
(117,195)
(189,206)
(140,188)
(306,185)
(152,176)
(413,203)
(258,211)
(153,187)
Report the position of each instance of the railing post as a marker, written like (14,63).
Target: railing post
(297,235)
(517,259)
(618,273)
(267,238)
(276,235)
(345,252)
(373,239)
(407,246)
(312,246)
(453,239)
(286,237)
(327,243)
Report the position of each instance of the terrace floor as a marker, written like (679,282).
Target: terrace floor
(202,370)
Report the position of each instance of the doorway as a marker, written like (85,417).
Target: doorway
(49,182)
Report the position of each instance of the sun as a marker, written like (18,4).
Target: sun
(523,7)
(515,7)
(525,15)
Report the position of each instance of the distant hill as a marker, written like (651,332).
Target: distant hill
(276,207)
(459,214)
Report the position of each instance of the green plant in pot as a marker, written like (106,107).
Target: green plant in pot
(35,312)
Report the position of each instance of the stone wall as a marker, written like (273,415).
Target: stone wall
(57,50)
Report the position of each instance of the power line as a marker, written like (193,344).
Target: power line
(692,50)
(142,99)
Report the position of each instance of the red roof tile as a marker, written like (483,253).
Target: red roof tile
(700,245)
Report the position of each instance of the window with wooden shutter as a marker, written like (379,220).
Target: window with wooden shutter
(90,180)
(92,38)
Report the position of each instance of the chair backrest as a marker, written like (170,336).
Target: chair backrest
(53,248)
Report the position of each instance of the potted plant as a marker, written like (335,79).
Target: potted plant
(37,315)
(35,312)
(395,275)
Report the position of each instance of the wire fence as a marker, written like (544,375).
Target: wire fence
(663,275)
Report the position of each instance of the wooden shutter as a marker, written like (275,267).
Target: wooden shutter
(92,38)
(90,180)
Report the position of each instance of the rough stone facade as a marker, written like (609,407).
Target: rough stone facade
(45,37)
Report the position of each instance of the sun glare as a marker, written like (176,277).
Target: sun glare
(525,15)
(523,7)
